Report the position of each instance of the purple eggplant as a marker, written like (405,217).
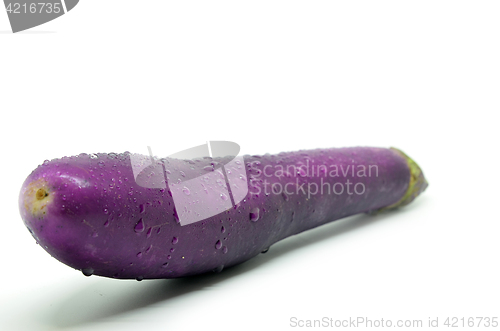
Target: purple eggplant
(94,213)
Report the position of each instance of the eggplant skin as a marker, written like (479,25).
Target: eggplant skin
(88,211)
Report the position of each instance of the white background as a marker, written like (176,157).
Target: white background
(111,76)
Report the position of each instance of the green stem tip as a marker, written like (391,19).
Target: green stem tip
(417,184)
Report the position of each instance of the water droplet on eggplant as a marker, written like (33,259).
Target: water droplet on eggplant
(254,214)
(87,272)
(139,227)
(218,269)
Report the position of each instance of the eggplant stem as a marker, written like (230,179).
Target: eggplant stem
(417,185)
